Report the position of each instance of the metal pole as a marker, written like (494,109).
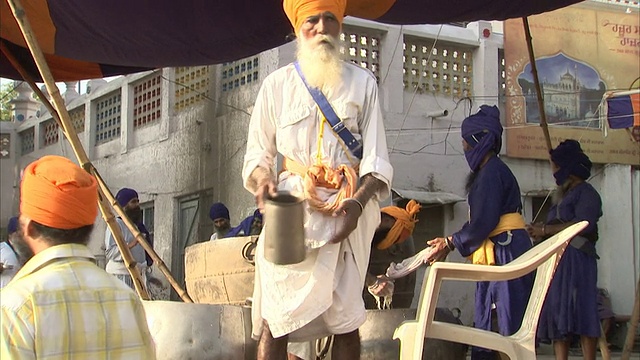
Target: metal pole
(536,82)
(61,115)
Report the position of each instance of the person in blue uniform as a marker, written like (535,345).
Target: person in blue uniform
(571,306)
(495,233)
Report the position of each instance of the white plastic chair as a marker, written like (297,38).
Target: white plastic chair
(521,345)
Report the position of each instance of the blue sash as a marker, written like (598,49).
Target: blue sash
(336,124)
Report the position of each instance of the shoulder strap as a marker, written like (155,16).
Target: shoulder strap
(336,124)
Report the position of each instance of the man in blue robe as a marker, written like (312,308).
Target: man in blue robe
(495,233)
(571,307)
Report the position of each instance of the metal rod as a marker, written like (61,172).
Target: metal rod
(61,115)
(536,82)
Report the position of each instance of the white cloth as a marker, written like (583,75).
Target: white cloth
(8,258)
(115,263)
(408,265)
(286,120)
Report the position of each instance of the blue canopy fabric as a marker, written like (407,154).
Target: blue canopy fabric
(91,39)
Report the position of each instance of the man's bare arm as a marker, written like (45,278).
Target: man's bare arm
(262,184)
(369,186)
(351,210)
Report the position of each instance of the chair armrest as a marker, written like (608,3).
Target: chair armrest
(474,272)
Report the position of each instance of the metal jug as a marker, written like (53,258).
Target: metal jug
(284,229)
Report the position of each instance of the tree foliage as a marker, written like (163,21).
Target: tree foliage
(7,93)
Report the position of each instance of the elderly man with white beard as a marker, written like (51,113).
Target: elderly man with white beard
(323,116)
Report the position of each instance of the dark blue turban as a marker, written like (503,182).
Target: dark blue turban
(125,195)
(571,160)
(483,132)
(219,211)
(12,226)
(245,225)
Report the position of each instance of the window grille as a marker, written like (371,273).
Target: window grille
(49,133)
(502,76)
(239,73)
(146,100)
(108,112)
(27,140)
(447,71)
(192,86)
(77,118)
(5,146)
(362,47)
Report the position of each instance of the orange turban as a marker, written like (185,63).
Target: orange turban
(57,193)
(405,223)
(299,10)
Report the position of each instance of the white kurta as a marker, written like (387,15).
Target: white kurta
(286,120)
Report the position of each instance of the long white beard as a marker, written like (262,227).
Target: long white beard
(560,191)
(320,62)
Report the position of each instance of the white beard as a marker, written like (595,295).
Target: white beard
(320,62)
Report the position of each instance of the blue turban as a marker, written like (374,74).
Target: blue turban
(483,132)
(571,160)
(245,225)
(219,211)
(12,226)
(125,195)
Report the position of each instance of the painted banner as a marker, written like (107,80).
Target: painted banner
(580,54)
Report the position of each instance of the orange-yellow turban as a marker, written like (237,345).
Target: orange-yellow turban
(299,10)
(406,220)
(57,193)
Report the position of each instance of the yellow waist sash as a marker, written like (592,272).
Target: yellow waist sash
(485,254)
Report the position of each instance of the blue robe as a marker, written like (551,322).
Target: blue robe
(571,306)
(495,192)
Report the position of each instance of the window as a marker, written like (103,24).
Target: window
(148,212)
(146,100)
(49,133)
(444,68)
(540,206)
(192,86)
(107,118)
(362,47)
(27,140)
(5,146)
(239,73)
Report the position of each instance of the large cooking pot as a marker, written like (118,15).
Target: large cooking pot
(223,332)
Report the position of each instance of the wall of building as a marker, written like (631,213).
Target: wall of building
(8,174)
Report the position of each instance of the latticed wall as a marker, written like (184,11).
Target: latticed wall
(77,118)
(49,133)
(27,140)
(238,73)
(502,76)
(147,94)
(5,146)
(192,86)
(362,47)
(445,68)
(108,112)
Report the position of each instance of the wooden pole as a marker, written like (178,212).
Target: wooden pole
(65,123)
(61,115)
(633,326)
(536,82)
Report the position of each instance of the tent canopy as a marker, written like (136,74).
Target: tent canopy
(91,39)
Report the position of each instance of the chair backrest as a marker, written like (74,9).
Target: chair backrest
(541,252)
(545,257)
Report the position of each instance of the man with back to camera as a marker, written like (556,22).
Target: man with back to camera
(60,304)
